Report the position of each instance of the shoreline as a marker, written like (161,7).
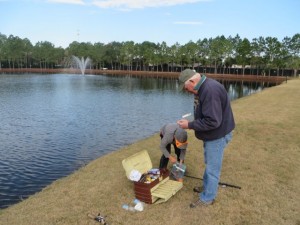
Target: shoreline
(154,74)
(262,158)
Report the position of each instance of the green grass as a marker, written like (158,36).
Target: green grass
(263,158)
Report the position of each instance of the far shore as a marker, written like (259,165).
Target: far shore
(155,74)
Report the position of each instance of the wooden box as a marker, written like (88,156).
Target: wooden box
(160,189)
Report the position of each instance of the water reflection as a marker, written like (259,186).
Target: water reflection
(238,89)
(53,124)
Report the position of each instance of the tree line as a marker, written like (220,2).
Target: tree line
(260,56)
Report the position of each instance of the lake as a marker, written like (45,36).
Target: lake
(51,125)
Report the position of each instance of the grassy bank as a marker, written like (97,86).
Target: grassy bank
(263,159)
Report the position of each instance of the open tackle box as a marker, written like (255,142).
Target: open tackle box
(157,189)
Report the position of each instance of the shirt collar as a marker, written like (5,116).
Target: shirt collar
(203,78)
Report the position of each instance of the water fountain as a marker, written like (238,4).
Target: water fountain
(82,63)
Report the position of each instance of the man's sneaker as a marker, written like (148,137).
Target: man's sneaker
(197,189)
(201,203)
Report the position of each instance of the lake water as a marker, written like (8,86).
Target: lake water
(52,125)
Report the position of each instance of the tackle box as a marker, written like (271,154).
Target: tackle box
(159,190)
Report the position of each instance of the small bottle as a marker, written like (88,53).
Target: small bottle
(129,208)
(139,206)
(136,201)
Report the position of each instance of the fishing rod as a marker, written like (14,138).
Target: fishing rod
(220,183)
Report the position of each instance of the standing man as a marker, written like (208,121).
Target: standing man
(213,124)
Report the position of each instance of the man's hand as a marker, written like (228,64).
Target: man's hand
(184,124)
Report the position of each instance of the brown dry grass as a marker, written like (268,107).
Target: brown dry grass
(263,159)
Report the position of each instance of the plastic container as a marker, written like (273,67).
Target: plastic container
(129,208)
(139,206)
(178,170)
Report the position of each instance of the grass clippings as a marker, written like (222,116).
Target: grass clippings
(263,158)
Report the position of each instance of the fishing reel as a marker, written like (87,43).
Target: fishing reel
(98,218)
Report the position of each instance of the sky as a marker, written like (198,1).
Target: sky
(62,22)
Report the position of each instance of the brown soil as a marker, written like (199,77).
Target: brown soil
(169,75)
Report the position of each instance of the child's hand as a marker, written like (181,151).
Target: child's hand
(172,159)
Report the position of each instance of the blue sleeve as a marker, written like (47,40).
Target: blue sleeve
(211,113)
